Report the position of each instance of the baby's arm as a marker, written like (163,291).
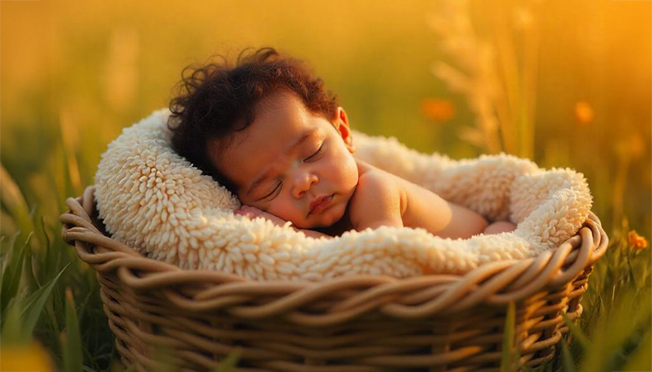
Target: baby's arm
(422,208)
(383,199)
(428,210)
(463,222)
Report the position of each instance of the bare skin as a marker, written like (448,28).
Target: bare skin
(383,199)
(289,160)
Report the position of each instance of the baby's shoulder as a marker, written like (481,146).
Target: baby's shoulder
(377,194)
(373,179)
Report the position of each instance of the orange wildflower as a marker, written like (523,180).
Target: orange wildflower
(583,113)
(437,109)
(636,240)
(636,146)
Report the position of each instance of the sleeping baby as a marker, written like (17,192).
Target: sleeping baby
(267,130)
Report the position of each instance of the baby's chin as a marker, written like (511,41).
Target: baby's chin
(327,218)
(311,225)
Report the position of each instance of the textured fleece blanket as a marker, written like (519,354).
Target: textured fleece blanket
(155,201)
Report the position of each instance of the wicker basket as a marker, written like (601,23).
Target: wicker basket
(356,323)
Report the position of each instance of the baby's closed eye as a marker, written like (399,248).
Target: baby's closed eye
(275,191)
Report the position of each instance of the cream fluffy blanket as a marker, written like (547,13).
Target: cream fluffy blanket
(155,201)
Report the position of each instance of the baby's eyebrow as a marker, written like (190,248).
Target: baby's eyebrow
(304,136)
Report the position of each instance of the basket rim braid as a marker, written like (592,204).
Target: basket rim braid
(558,277)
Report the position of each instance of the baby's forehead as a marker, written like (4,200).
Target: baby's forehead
(259,148)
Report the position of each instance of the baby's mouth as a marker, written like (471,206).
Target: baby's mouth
(320,203)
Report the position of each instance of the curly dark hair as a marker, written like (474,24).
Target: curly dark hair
(218,99)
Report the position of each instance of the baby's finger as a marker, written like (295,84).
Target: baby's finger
(244,212)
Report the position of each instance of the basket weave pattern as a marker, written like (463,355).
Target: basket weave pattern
(354,323)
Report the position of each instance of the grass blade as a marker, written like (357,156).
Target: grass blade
(12,272)
(14,201)
(640,359)
(12,330)
(73,359)
(51,256)
(507,357)
(568,365)
(576,332)
(33,307)
(230,362)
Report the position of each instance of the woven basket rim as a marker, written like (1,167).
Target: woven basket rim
(495,283)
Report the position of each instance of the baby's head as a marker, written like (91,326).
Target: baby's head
(266,129)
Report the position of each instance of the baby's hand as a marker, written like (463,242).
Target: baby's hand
(253,212)
(499,227)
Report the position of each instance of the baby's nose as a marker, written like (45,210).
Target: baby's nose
(302,184)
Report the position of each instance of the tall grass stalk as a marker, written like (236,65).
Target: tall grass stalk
(497,77)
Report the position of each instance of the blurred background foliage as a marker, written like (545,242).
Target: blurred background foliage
(74,73)
(566,84)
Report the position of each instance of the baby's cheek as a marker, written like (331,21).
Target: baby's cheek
(285,209)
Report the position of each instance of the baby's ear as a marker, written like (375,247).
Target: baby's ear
(342,125)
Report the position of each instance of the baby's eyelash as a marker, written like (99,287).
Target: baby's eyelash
(281,182)
(316,153)
(268,195)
